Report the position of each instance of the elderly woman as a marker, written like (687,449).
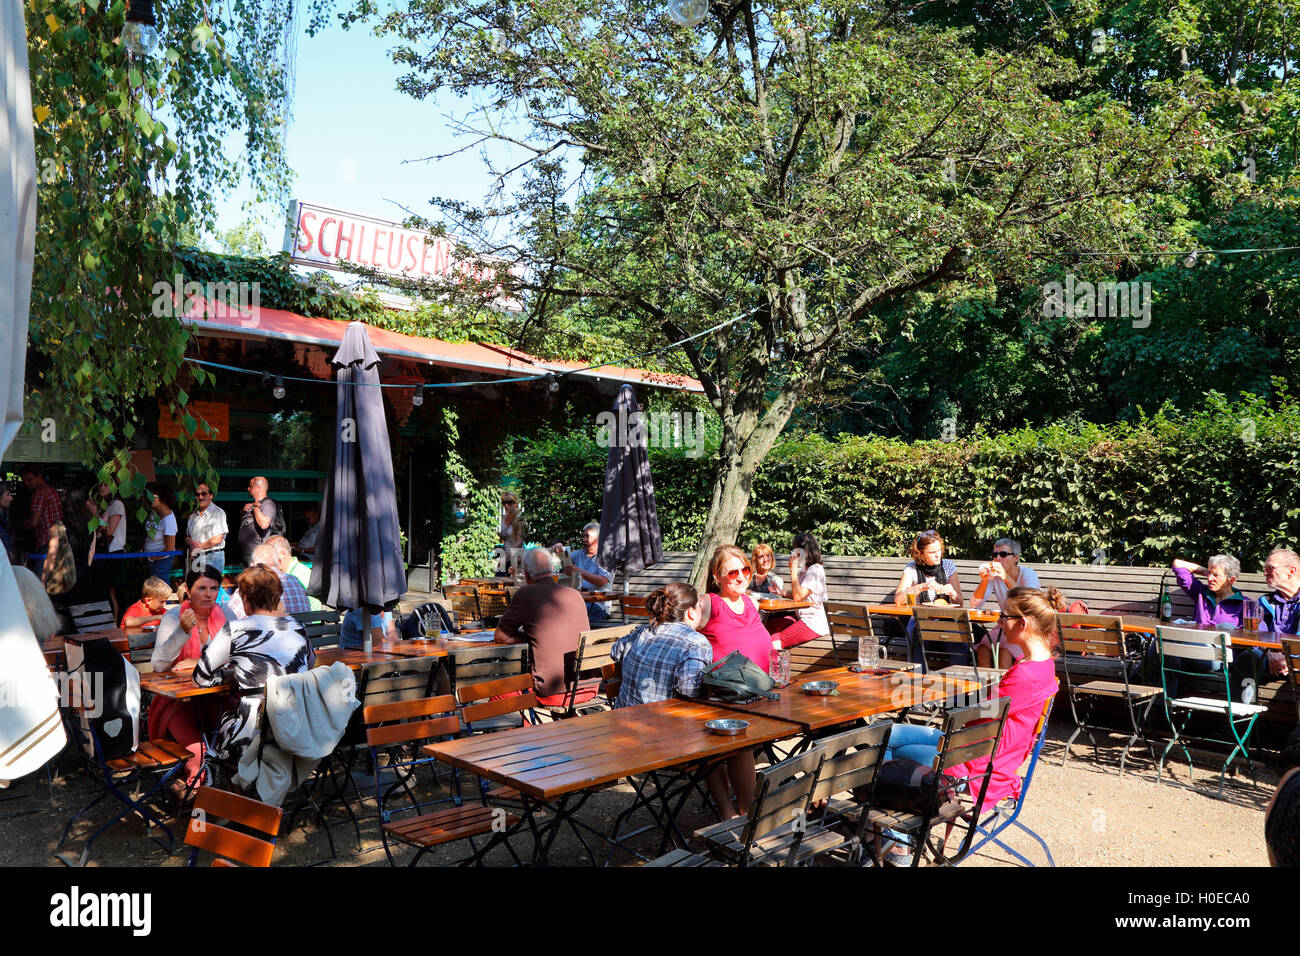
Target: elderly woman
(1001,574)
(1218,603)
(265,643)
(182,634)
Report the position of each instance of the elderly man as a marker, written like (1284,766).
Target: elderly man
(205,534)
(549,618)
(1001,574)
(294,598)
(290,565)
(594,577)
(261,518)
(1279,613)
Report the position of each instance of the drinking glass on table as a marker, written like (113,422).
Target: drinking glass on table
(1250,614)
(779,670)
(870,653)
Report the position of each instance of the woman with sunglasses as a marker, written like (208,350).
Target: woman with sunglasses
(730,620)
(1028,622)
(1001,574)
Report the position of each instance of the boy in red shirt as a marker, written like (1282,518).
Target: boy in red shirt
(151,606)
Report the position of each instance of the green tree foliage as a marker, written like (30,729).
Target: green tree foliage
(130,159)
(244,240)
(810,166)
(1221,480)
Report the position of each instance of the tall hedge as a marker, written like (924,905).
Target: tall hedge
(1226,479)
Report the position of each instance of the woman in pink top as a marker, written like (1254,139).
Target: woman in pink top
(1028,622)
(731,622)
(182,634)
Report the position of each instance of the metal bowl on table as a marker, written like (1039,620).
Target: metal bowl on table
(727,726)
(822,688)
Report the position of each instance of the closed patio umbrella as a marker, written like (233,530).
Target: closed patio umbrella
(629,522)
(30,729)
(358,551)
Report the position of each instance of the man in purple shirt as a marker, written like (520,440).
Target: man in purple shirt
(1279,613)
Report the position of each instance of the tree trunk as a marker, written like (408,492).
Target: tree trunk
(740,457)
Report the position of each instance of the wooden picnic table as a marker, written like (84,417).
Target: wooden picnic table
(562,763)
(860,695)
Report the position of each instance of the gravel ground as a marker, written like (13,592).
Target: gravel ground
(1087,813)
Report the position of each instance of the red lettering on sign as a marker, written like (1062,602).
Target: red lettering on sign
(376,246)
(304,229)
(320,237)
(410,251)
(338,247)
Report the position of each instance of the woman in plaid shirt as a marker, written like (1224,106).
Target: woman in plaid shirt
(665,657)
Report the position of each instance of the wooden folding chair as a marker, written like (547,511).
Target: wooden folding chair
(632,607)
(92,617)
(396,732)
(1102,636)
(252,844)
(970,736)
(323,627)
(775,831)
(151,765)
(848,622)
(949,627)
(1178,646)
(463,601)
(140,650)
(852,762)
(585,684)
(1291,653)
(998,821)
(492,601)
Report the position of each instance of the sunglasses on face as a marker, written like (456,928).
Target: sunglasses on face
(736,573)
(1004,554)
(1011,617)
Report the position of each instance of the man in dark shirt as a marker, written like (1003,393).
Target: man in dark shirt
(549,618)
(261,518)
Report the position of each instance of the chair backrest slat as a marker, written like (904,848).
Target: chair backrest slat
(1291,651)
(1190,644)
(970,735)
(250,849)
(633,606)
(475,664)
(782,791)
(1098,634)
(852,759)
(410,721)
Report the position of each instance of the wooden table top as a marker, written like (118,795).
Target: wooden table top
(429,648)
(771,605)
(354,657)
(860,695)
(549,761)
(1133,624)
(176,686)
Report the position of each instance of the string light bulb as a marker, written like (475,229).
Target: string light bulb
(1190,261)
(417,397)
(278,391)
(140,34)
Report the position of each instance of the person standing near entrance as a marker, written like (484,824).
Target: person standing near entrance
(206,531)
(43,510)
(261,518)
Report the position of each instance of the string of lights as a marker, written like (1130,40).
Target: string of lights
(552,376)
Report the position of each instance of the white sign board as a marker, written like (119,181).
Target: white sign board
(333,239)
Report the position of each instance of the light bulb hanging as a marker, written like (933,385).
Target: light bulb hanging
(278,391)
(140,34)
(417,397)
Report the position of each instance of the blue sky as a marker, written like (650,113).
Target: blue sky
(351,131)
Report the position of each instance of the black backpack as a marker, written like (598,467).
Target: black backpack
(277,525)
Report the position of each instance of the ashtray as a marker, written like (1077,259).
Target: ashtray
(822,688)
(726,727)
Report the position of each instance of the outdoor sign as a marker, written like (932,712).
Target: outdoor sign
(216,414)
(333,239)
